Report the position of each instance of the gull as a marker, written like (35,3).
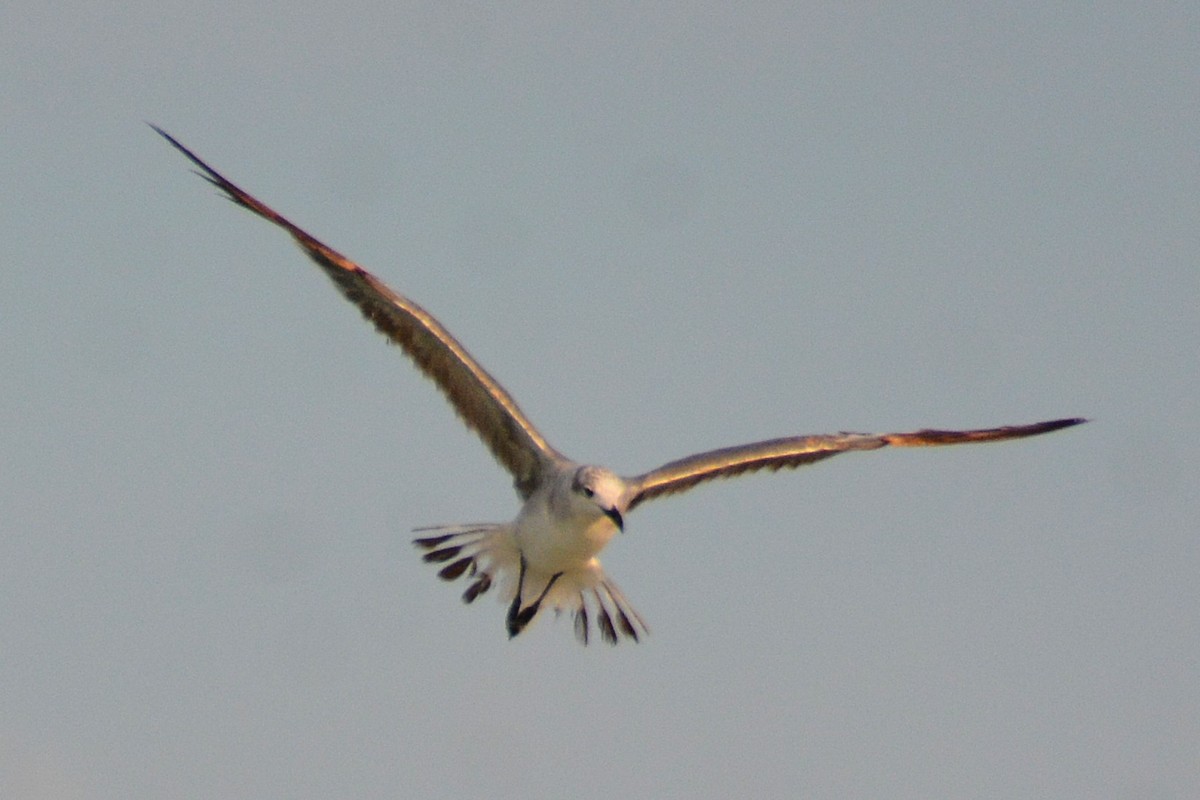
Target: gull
(547,556)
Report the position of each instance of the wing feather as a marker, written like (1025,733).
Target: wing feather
(775,454)
(481,402)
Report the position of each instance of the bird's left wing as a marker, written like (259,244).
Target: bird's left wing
(479,399)
(774,454)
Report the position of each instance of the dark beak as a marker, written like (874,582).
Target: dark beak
(615,516)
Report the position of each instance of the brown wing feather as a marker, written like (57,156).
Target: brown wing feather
(480,401)
(774,454)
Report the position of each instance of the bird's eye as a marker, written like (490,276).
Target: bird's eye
(587,491)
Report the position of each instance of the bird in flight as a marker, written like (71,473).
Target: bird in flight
(547,556)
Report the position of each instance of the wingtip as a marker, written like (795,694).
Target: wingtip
(208,173)
(157,129)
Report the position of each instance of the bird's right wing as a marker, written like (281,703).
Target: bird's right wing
(479,399)
(774,454)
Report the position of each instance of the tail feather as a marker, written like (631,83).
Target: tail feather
(487,550)
(487,553)
(627,621)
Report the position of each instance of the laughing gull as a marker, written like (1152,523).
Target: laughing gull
(546,557)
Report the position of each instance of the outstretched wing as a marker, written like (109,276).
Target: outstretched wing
(480,401)
(678,476)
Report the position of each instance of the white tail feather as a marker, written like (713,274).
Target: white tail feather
(487,554)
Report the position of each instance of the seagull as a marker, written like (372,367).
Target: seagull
(547,556)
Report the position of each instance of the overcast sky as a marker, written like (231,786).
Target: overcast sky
(665,228)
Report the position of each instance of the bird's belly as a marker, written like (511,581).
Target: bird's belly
(558,548)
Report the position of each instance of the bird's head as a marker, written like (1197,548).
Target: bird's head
(602,489)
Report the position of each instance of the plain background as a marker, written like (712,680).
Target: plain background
(665,228)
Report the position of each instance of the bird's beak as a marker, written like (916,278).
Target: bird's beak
(615,516)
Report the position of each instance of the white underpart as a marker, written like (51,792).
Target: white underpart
(560,530)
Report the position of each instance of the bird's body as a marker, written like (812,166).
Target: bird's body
(547,556)
(558,505)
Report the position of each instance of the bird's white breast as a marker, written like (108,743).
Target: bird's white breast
(556,542)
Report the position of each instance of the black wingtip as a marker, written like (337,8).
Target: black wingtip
(174,142)
(1059,424)
(232,191)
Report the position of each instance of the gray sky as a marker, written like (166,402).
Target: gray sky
(666,229)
